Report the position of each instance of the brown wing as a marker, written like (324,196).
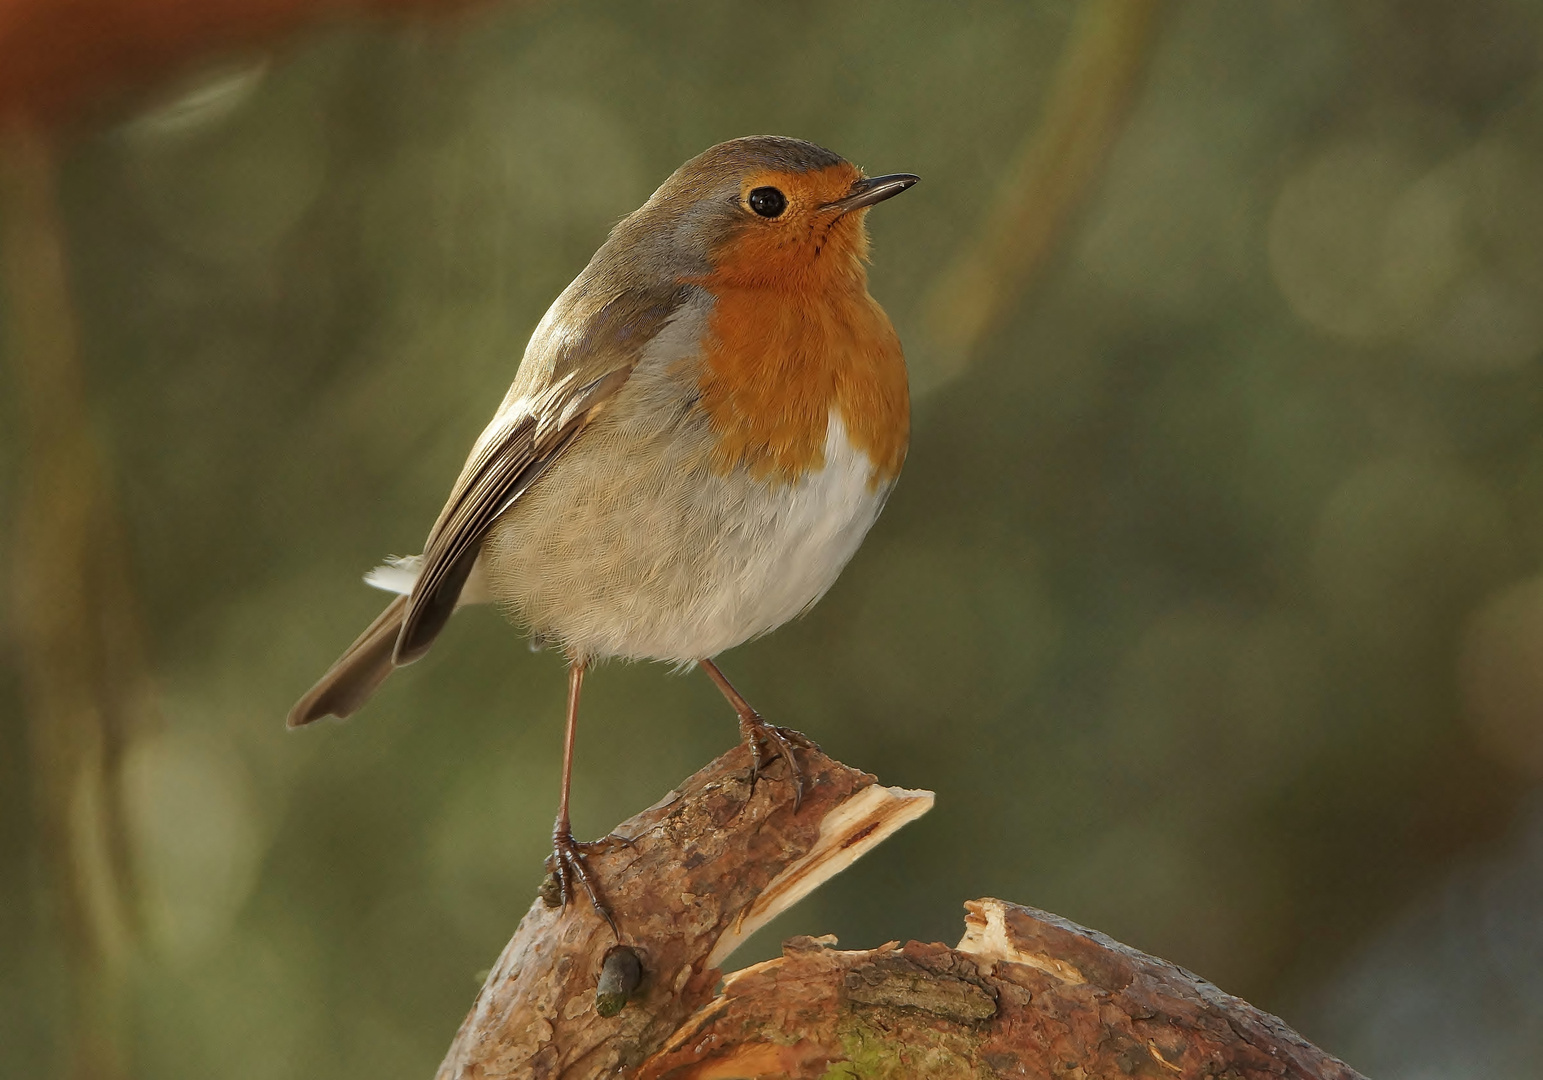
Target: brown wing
(590,357)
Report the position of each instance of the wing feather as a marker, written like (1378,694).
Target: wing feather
(593,356)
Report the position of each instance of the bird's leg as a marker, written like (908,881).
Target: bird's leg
(756,731)
(567,860)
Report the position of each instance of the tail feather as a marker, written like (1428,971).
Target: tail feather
(357,674)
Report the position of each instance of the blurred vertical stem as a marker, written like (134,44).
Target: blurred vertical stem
(1052,174)
(78,645)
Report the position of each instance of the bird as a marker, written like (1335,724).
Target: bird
(703,428)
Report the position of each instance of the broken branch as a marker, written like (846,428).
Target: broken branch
(1023,994)
(687,879)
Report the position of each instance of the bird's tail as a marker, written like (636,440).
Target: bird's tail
(357,674)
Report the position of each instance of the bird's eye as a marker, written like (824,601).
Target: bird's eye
(768,202)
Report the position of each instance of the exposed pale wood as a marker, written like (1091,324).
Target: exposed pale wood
(692,877)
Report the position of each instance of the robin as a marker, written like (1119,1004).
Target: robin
(703,428)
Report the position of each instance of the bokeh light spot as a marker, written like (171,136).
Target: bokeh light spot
(197,837)
(1501,667)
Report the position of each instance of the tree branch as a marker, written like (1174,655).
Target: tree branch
(687,880)
(1024,993)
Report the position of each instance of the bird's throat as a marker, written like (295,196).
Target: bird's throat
(777,361)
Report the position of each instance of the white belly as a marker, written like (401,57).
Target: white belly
(649,554)
(794,542)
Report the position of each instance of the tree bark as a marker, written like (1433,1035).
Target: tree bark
(1023,994)
(687,880)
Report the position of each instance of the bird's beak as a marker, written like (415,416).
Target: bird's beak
(872,189)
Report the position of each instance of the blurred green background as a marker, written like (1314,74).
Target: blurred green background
(1209,601)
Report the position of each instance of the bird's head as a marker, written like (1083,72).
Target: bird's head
(761,211)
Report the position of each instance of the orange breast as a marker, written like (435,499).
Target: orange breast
(778,361)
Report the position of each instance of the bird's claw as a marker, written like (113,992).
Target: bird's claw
(757,733)
(566,865)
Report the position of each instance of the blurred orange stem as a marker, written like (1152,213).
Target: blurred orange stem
(58,57)
(1051,176)
(78,642)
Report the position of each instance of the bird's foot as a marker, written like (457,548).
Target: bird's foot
(781,741)
(567,867)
